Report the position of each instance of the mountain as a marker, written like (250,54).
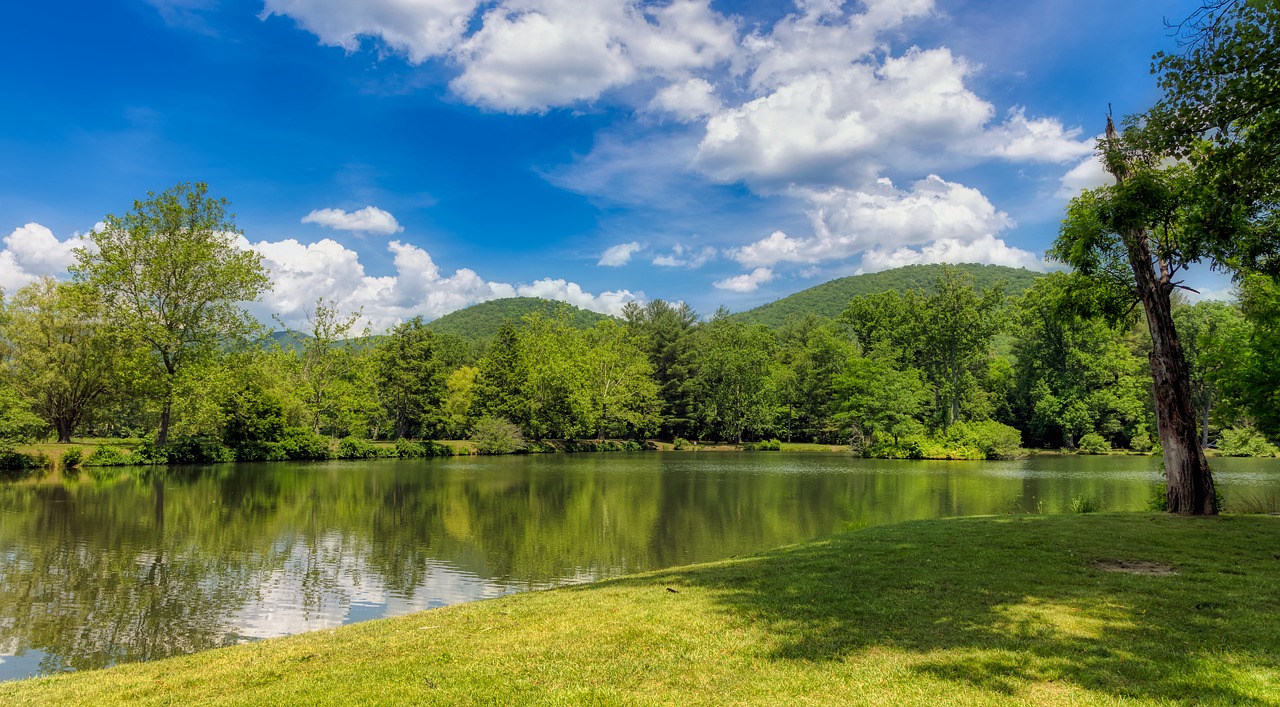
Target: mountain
(829,299)
(481,321)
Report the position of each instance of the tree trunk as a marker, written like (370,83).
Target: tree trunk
(63,427)
(162,435)
(1188,481)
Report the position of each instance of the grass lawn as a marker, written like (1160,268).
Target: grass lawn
(1009,610)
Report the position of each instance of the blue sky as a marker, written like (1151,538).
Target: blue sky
(412,157)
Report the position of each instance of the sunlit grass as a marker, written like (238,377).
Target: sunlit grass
(1015,610)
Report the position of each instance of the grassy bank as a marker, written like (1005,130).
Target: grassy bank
(1015,610)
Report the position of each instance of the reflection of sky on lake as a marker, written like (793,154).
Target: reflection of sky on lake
(328,584)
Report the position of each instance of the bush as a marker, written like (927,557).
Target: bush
(105,455)
(193,450)
(355,448)
(298,443)
(679,443)
(493,435)
(258,451)
(1093,443)
(993,439)
(1245,442)
(1141,442)
(771,445)
(408,449)
(17,465)
(72,458)
(1159,499)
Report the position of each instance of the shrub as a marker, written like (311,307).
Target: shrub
(679,443)
(194,450)
(355,448)
(494,435)
(146,452)
(298,443)
(1084,504)
(993,439)
(1159,499)
(1245,442)
(258,451)
(771,445)
(105,455)
(17,465)
(1141,442)
(72,458)
(1093,443)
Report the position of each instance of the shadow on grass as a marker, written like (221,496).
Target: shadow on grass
(1007,604)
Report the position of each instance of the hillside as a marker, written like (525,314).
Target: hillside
(829,299)
(481,321)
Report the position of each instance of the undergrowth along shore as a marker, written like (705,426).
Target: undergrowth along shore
(1071,609)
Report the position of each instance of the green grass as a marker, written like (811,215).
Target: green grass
(1000,611)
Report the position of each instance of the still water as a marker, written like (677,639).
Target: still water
(153,564)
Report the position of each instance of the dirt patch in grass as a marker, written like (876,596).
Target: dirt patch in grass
(1135,567)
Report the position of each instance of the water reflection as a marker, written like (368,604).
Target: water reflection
(163,563)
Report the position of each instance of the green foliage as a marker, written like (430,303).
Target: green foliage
(72,458)
(679,443)
(482,321)
(1245,442)
(1085,504)
(300,443)
(735,380)
(16,465)
(409,376)
(767,445)
(408,449)
(830,299)
(994,439)
(1093,443)
(170,274)
(355,448)
(195,450)
(494,435)
(1141,442)
(106,455)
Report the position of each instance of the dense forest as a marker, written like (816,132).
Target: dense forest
(929,362)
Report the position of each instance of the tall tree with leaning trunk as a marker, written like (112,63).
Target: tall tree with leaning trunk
(1197,180)
(171,274)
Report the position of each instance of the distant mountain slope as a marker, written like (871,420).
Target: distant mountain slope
(481,321)
(829,299)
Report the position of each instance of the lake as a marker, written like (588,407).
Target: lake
(162,562)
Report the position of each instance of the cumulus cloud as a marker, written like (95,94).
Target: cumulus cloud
(301,272)
(620,254)
(31,252)
(370,219)
(1021,138)
(531,55)
(747,282)
(1089,173)
(419,29)
(688,100)
(987,249)
(850,221)
(682,257)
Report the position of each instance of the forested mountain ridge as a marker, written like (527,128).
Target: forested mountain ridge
(481,321)
(829,299)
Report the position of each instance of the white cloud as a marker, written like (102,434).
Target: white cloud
(747,282)
(1089,173)
(370,219)
(620,254)
(302,272)
(987,249)
(688,100)
(847,124)
(31,252)
(682,257)
(531,55)
(850,221)
(1034,140)
(419,29)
